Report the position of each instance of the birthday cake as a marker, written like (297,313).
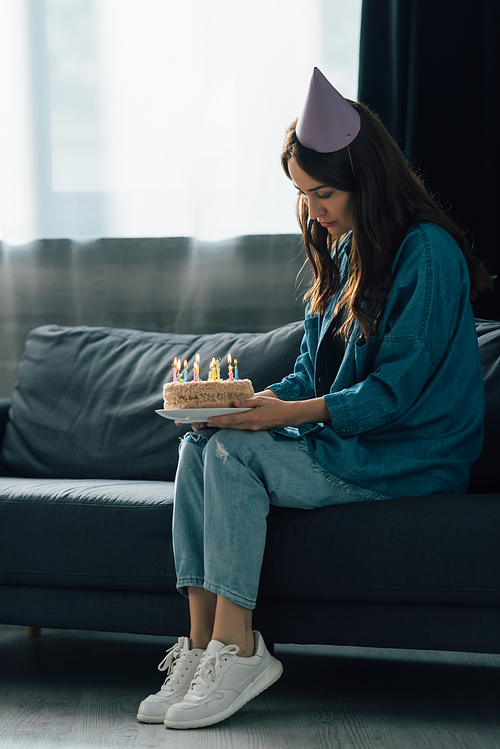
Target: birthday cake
(205,393)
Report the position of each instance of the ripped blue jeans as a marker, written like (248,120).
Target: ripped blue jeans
(225,483)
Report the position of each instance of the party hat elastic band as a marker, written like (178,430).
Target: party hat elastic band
(327,122)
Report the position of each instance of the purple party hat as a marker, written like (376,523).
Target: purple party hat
(327,121)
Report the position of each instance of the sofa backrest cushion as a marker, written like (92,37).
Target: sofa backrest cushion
(83,405)
(485,475)
(85,397)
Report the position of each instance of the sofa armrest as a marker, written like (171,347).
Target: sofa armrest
(4,414)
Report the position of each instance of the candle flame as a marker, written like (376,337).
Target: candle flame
(185,364)
(229,360)
(197,358)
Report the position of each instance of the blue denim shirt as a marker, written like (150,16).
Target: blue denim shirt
(407,404)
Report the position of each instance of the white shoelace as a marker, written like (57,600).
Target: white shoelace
(170,656)
(210,668)
(170,664)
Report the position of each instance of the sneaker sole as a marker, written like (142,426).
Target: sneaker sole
(265,680)
(150,718)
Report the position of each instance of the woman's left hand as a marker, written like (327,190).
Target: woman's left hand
(269,412)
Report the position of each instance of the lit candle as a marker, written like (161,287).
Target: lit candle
(185,371)
(217,370)
(174,371)
(236,376)
(211,376)
(231,376)
(179,375)
(196,368)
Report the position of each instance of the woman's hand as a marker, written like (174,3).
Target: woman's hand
(269,412)
(203,424)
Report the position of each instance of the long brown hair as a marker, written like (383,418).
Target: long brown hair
(388,197)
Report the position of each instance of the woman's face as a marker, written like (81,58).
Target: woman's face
(330,207)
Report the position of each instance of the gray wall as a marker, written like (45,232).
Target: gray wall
(175,284)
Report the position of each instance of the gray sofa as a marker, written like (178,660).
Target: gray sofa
(86,470)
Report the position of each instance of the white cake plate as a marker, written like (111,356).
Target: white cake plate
(193,415)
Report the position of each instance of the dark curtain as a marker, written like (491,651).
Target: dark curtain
(431,70)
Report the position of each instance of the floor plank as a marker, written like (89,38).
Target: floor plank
(73,689)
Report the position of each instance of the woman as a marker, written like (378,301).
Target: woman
(386,398)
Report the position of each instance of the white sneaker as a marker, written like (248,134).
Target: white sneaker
(223,683)
(180,663)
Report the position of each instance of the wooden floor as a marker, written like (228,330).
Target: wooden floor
(79,690)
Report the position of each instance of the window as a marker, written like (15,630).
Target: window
(159,118)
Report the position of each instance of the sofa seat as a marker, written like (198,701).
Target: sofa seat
(86,533)
(117,535)
(421,550)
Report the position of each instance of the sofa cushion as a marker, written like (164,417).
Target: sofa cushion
(485,474)
(86,533)
(85,398)
(4,415)
(440,549)
(116,535)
